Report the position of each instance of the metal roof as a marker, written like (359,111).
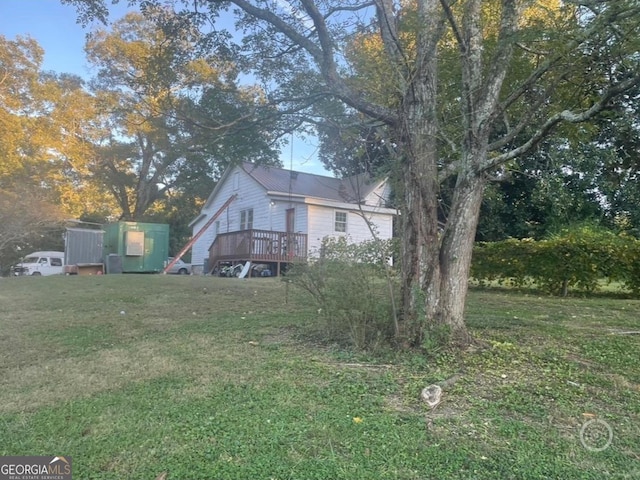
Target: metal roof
(352,189)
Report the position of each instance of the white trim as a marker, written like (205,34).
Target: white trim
(323,202)
(335,221)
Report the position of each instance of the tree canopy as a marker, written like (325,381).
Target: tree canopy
(173,116)
(49,123)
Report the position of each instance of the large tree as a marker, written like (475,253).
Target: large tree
(48,126)
(175,113)
(543,192)
(614,154)
(514,70)
(588,173)
(20,62)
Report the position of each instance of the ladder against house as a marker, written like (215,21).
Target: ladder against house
(200,233)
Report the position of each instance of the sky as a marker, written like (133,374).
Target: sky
(53,25)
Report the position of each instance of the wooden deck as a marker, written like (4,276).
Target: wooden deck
(258,246)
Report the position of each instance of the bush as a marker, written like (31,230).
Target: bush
(353,287)
(575,258)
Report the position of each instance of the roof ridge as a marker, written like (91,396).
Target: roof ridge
(269,167)
(351,189)
(366,175)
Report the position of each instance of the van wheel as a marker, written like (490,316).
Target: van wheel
(182,271)
(36,274)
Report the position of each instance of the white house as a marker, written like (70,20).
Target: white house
(272,215)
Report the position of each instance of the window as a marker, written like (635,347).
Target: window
(56,262)
(236,181)
(134,243)
(341,222)
(246,219)
(217,227)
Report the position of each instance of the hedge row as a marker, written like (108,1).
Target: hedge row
(574,259)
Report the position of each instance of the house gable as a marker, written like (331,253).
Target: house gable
(250,195)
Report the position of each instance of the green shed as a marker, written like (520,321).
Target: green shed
(134,247)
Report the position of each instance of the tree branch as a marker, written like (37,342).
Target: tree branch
(454,25)
(389,32)
(500,63)
(564,116)
(322,54)
(606,19)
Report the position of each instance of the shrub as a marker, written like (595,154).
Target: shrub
(576,258)
(350,285)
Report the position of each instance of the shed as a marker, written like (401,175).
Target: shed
(83,251)
(140,247)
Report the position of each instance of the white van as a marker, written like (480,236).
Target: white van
(40,263)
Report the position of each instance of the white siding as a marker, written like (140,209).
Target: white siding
(322,224)
(278,216)
(378,197)
(250,195)
(200,247)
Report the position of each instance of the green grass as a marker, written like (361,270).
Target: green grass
(236,383)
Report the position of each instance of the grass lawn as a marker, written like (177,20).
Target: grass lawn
(134,376)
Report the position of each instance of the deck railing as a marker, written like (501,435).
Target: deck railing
(259,246)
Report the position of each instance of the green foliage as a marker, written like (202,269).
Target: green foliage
(176,114)
(350,284)
(48,125)
(575,258)
(546,190)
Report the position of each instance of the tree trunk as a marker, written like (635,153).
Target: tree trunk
(420,191)
(436,264)
(455,257)
(420,257)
